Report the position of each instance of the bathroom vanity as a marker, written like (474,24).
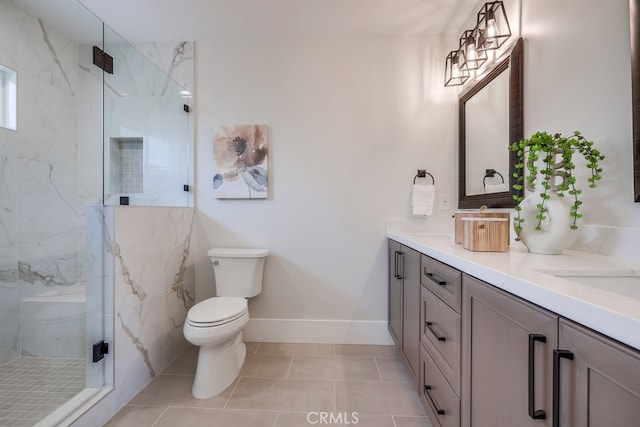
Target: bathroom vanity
(516,338)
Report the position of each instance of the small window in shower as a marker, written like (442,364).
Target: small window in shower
(8,98)
(127,165)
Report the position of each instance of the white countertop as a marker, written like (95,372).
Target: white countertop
(518,272)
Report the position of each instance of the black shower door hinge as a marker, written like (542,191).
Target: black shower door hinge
(102,60)
(99,350)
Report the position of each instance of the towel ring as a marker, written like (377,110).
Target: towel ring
(490,173)
(422,173)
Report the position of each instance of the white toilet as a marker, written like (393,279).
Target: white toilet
(215,324)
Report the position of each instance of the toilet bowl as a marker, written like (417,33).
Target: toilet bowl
(216,324)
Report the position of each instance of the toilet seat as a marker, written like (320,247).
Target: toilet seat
(216,311)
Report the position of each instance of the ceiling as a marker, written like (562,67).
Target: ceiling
(171,20)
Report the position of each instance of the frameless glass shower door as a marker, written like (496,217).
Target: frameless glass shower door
(146,131)
(51,294)
(90,122)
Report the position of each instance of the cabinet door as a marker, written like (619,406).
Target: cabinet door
(411,310)
(600,385)
(395,292)
(502,384)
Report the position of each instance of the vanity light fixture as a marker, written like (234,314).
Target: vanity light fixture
(472,58)
(454,74)
(492,26)
(492,30)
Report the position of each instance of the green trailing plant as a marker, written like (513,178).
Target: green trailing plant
(549,159)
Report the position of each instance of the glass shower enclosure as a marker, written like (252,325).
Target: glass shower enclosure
(85,136)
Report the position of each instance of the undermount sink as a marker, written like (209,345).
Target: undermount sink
(622,282)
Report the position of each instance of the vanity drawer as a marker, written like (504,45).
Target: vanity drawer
(440,334)
(439,399)
(442,280)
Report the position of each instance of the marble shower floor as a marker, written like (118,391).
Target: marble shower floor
(33,387)
(286,385)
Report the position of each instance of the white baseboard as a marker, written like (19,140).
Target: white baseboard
(317,331)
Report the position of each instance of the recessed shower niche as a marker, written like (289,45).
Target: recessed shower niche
(126,165)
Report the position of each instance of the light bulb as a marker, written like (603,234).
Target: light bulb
(492,29)
(455,70)
(472,53)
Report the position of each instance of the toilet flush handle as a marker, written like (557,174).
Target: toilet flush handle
(216,262)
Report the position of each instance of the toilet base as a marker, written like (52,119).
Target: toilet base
(218,366)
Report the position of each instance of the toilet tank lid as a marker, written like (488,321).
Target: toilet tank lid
(237,253)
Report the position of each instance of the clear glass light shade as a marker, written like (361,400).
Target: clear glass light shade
(454,74)
(493,26)
(471,58)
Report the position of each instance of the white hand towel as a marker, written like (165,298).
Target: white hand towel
(422,199)
(495,188)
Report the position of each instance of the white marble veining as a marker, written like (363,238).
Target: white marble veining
(154,288)
(176,59)
(41,220)
(522,274)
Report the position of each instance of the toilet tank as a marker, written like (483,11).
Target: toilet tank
(238,272)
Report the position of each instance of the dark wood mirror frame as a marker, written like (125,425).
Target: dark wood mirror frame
(634,9)
(514,64)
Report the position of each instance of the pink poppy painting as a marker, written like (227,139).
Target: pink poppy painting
(240,161)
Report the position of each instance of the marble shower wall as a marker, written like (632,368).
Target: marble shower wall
(41,212)
(176,59)
(154,283)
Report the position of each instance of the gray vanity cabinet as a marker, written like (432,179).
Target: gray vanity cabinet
(483,357)
(526,366)
(598,380)
(507,359)
(404,303)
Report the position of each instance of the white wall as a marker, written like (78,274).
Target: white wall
(578,77)
(351,119)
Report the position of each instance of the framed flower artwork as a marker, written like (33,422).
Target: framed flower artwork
(240,155)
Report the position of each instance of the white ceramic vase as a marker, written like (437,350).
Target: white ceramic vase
(556,234)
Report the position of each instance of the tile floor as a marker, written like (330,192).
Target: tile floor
(287,385)
(33,387)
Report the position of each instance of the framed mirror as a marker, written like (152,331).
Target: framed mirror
(634,9)
(490,117)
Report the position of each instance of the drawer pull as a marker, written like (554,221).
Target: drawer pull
(557,355)
(395,266)
(429,326)
(536,414)
(431,401)
(435,278)
(399,263)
